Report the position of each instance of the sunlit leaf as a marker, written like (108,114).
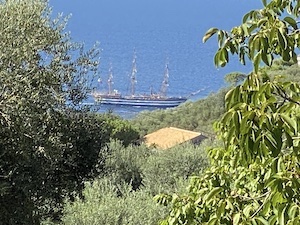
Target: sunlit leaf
(209,33)
(291,123)
(236,219)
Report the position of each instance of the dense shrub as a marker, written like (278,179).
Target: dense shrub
(164,169)
(125,163)
(103,205)
(133,175)
(118,128)
(155,170)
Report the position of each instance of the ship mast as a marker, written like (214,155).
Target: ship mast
(110,80)
(165,82)
(133,75)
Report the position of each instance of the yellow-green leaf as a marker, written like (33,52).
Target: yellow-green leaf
(209,33)
(236,219)
(213,193)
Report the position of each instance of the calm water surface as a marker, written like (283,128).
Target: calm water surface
(159,31)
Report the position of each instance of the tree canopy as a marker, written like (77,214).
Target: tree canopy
(43,78)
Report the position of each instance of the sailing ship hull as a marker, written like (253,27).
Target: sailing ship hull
(142,101)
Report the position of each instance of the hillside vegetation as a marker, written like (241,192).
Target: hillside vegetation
(200,115)
(196,116)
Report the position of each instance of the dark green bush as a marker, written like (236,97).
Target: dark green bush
(125,163)
(118,128)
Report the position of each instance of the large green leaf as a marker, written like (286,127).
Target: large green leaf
(291,22)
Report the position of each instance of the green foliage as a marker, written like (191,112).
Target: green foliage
(140,166)
(38,65)
(287,72)
(125,164)
(196,116)
(119,129)
(163,169)
(103,205)
(265,116)
(255,177)
(47,148)
(263,35)
(235,78)
(115,199)
(41,167)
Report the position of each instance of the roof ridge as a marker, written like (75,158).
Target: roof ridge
(189,131)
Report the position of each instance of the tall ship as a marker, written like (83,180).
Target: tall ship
(159,100)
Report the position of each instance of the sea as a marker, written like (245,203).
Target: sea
(160,32)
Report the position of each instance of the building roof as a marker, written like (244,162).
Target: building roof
(170,136)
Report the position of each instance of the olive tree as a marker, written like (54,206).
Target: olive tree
(48,143)
(255,177)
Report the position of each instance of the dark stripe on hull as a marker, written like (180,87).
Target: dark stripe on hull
(144,102)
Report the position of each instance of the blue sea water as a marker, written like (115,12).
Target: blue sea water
(159,31)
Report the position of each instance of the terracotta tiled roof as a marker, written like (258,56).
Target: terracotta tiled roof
(171,136)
